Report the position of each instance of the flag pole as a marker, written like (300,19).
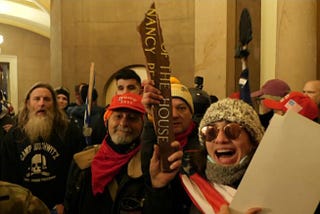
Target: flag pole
(87,130)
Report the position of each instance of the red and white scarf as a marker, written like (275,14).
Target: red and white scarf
(206,197)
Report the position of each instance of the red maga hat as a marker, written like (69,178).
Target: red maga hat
(295,101)
(129,101)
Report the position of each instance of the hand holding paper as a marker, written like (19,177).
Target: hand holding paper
(284,174)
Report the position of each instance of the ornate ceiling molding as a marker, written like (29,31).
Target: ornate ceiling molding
(32,15)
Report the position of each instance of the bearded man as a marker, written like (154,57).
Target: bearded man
(37,153)
(113,182)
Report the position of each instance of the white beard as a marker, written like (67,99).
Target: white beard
(39,127)
(121,139)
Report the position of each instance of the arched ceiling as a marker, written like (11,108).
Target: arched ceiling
(32,15)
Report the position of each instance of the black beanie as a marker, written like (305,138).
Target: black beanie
(63,91)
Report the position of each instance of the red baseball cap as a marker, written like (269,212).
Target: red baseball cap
(274,87)
(129,101)
(295,101)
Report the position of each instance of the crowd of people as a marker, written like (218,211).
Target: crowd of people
(44,149)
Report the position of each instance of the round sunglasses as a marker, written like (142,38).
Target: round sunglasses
(231,131)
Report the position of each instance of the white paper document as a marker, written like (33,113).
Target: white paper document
(284,174)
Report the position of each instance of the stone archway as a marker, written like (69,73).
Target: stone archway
(109,88)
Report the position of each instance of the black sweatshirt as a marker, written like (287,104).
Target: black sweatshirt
(43,166)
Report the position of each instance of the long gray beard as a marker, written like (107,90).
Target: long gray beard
(39,127)
(227,175)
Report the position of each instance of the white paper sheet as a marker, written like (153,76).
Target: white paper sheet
(284,174)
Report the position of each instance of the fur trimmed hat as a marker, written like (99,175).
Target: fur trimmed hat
(181,91)
(233,110)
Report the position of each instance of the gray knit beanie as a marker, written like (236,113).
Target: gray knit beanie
(234,110)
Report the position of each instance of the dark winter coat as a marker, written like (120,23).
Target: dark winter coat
(128,193)
(76,113)
(171,198)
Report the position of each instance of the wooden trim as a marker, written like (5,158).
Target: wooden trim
(231,80)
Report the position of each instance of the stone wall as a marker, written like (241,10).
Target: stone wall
(105,32)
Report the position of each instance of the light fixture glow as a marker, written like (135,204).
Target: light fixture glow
(1,39)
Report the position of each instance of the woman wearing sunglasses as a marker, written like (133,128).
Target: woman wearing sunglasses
(230,131)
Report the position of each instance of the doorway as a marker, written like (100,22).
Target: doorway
(9,79)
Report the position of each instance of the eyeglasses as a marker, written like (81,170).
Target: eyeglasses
(231,131)
(258,100)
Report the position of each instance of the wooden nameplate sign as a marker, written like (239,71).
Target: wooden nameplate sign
(158,66)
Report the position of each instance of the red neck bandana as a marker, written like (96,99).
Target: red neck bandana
(183,137)
(106,165)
